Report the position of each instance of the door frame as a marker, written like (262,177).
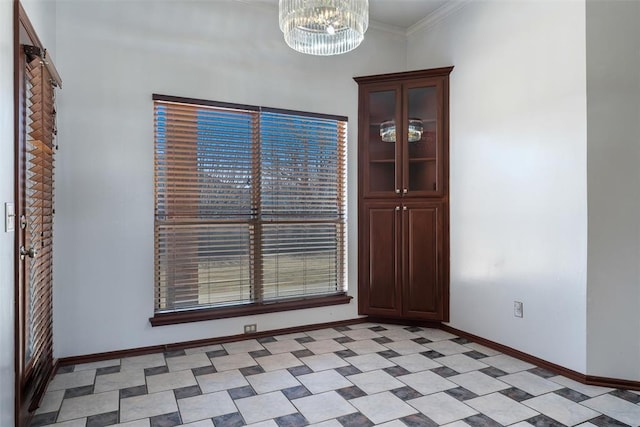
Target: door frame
(27,395)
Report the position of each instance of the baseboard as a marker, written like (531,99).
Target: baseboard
(552,367)
(139,351)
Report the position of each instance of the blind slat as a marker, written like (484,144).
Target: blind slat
(250,205)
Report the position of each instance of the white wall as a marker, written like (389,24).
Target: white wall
(7,383)
(518,171)
(112,57)
(613,100)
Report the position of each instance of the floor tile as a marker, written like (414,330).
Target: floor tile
(202,423)
(205,406)
(229,420)
(589,390)
(78,391)
(627,395)
(72,380)
(203,349)
(616,408)
(278,361)
(355,420)
(80,422)
(264,407)
(501,409)
(137,423)
(221,381)
(398,334)
(272,381)
(235,361)
(51,402)
(329,423)
(394,423)
(285,346)
(572,395)
(162,382)
(362,334)
(85,406)
(296,392)
(182,363)
(442,408)
(507,364)
(47,418)
(427,382)
(382,407)
(461,363)
(324,346)
(245,346)
(268,423)
(482,349)
(478,383)
(375,381)
(319,382)
(461,393)
(436,334)
(141,362)
(291,420)
(119,380)
(203,370)
(325,334)
(133,391)
(147,405)
(365,346)
(102,420)
(406,347)
(516,394)
(530,383)
(446,348)
(293,336)
(561,409)
(415,362)
(322,362)
(481,420)
(369,362)
(96,365)
(324,406)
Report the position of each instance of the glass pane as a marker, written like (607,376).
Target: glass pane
(381,142)
(422,153)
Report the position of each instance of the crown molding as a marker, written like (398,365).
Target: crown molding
(437,15)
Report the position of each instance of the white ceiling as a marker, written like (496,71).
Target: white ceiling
(397,14)
(402,13)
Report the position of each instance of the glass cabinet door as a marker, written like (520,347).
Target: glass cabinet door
(382,174)
(423,171)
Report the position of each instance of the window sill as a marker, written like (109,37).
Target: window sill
(188,316)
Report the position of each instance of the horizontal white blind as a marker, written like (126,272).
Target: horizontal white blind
(249,205)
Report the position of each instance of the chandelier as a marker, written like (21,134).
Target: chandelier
(324,27)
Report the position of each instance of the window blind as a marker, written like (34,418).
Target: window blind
(38,207)
(250,205)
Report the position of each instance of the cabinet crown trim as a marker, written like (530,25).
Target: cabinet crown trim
(417,74)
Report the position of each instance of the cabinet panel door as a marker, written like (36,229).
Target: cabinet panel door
(380,274)
(422,254)
(380,153)
(424,155)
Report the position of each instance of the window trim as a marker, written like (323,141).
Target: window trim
(260,307)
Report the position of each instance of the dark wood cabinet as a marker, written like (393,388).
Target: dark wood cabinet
(403,195)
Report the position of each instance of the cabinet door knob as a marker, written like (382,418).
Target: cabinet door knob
(404,208)
(404,191)
(397,208)
(397,191)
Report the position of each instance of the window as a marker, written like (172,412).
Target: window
(249,209)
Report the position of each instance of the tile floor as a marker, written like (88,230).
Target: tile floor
(360,375)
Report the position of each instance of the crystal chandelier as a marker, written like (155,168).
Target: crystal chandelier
(324,27)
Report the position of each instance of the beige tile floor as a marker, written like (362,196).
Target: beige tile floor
(361,375)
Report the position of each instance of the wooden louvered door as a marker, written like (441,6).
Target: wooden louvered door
(35,188)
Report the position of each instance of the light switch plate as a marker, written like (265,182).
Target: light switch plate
(9,217)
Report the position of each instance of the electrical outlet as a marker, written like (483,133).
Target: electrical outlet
(517,309)
(249,329)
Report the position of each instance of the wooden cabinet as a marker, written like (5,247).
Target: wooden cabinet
(403,196)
